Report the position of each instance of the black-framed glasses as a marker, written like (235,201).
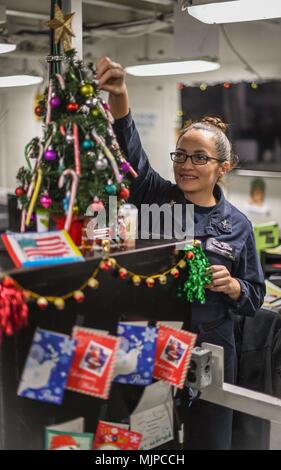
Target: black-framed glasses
(197,159)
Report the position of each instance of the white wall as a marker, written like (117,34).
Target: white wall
(17,127)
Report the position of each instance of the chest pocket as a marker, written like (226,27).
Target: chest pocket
(219,252)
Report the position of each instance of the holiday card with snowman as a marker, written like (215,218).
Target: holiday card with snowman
(136,354)
(47,366)
(93,363)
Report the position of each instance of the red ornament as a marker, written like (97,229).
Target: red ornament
(105,266)
(124,193)
(175,273)
(150,282)
(38,111)
(79,296)
(190,255)
(42,303)
(20,191)
(226,85)
(72,107)
(123,273)
(13,308)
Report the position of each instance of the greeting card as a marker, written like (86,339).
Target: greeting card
(136,354)
(41,249)
(47,366)
(69,435)
(111,437)
(173,353)
(93,363)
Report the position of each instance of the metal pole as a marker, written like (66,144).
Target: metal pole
(55,48)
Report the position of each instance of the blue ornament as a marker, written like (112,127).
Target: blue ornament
(87,144)
(111,189)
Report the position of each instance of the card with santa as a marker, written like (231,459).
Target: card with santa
(109,436)
(93,362)
(173,353)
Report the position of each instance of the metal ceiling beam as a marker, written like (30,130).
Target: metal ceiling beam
(28,14)
(99,3)
(161,2)
(118,6)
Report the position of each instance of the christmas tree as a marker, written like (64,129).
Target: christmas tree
(77,163)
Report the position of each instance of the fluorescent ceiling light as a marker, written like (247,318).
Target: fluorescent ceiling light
(172,68)
(19,80)
(5,47)
(234,11)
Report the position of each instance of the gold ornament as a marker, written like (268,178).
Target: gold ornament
(93,283)
(87,90)
(75,210)
(59,304)
(182,264)
(62,25)
(163,279)
(112,263)
(136,281)
(105,245)
(95,112)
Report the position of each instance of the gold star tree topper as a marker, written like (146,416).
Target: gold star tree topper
(62,25)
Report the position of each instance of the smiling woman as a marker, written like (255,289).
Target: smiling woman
(202,157)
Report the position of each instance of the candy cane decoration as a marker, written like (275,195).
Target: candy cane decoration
(76,149)
(73,193)
(24,211)
(61,81)
(48,115)
(108,154)
(34,196)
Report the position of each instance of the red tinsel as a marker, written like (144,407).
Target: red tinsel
(13,307)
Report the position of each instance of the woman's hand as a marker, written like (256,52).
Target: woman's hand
(111,77)
(223,282)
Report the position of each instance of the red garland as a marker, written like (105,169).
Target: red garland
(13,307)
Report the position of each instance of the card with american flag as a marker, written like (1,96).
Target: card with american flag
(39,249)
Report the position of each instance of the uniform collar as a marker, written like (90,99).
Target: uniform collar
(218,221)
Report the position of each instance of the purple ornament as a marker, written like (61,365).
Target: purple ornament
(33,217)
(50,155)
(46,201)
(55,102)
(125,167)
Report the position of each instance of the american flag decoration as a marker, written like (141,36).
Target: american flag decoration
(37,249)
(47,247)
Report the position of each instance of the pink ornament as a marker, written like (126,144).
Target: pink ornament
(46,201)
(106,106)
(97,206)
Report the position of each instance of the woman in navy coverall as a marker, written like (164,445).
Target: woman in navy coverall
(203,155)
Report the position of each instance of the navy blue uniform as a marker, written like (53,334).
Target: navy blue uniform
(227,237)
